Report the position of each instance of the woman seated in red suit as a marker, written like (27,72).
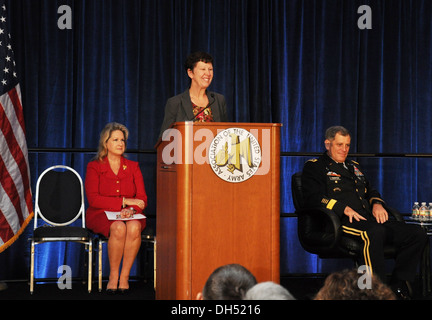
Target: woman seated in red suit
(114,183)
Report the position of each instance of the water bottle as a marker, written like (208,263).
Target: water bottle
(415,211)
(430,212)
(422,212)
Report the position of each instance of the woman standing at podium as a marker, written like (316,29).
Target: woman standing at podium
(196,103)
(114,183)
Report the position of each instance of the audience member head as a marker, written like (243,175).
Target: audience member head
(345,285)
(268,291)
(228,282)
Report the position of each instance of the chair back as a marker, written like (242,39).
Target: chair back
(59,197)
(297,191)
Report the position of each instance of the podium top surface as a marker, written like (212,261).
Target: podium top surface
(225,124)
(222,125)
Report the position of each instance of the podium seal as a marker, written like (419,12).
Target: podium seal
(235,155)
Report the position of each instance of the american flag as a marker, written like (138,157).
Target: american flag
(16,208)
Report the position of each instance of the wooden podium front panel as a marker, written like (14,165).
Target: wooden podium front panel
(234,222)
(224,234)
(207,222)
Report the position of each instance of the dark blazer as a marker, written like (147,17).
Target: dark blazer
(179,108)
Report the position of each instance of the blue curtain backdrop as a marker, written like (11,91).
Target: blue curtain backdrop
(302,63)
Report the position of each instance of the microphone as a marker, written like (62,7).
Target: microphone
(208,106)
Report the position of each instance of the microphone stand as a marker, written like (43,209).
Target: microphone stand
(213,100)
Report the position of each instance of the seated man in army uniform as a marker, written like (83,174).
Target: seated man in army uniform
(338,184)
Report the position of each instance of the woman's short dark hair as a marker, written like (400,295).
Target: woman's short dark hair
(196,57)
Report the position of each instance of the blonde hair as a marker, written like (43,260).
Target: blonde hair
(106,134)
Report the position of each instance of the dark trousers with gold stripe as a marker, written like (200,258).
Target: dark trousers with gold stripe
(409,240)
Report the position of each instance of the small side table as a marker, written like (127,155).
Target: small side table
(425,267)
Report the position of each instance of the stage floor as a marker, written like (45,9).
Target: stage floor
(302,288)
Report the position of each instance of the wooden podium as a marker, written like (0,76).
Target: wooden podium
(215,205)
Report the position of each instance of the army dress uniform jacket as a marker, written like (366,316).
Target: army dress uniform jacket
(334,186)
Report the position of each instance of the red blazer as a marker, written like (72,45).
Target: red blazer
(105,190)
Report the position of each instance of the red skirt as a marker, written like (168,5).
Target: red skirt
(98,222)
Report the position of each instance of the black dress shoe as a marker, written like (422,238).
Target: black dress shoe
(402,294)
(111,292)
(123,291)
(402,290)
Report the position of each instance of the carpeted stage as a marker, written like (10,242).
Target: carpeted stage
(302,287)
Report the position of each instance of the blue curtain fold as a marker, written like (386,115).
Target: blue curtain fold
(302,63)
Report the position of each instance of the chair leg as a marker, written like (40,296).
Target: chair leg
(90,266)
(32,267)
(100,265)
